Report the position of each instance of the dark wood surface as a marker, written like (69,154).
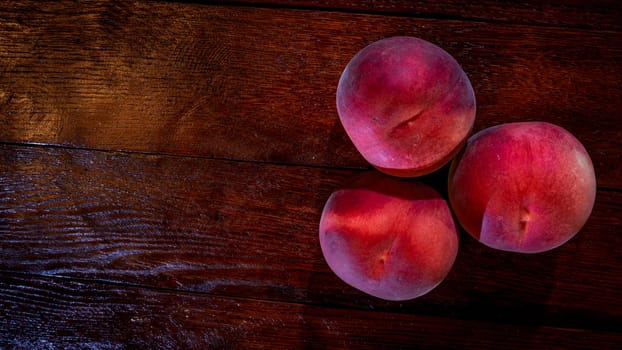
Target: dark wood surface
(163,167)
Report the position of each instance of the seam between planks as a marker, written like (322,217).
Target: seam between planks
(207,157)
(597,326)
(423,16)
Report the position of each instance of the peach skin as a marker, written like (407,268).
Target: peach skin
(391,238)
(523,187)
(406,104)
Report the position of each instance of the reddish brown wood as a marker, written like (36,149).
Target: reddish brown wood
(259,83)
(250,230)
(601,14)
(58,313)
(198,143)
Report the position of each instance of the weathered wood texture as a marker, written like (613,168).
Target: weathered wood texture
(163,167)
(45,313)
(601,14)
(259,83)
(250,230)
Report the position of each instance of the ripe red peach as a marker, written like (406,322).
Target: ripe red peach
(392,238)
(406,104)
(523,187)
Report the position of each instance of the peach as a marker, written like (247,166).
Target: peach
(406,104)
(523,187)
(391,238)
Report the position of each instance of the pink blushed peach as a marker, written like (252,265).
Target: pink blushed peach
(392,238)
(406,104)
(523,187)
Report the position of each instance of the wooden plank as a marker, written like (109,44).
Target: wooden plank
(250,230)
(56,313)
(259,83)
(602,14)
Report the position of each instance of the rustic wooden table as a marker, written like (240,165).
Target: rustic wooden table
(163,167)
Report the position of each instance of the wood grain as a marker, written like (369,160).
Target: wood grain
(250,230)
(51,313)
(602,14)
(163,167)
(258,84)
